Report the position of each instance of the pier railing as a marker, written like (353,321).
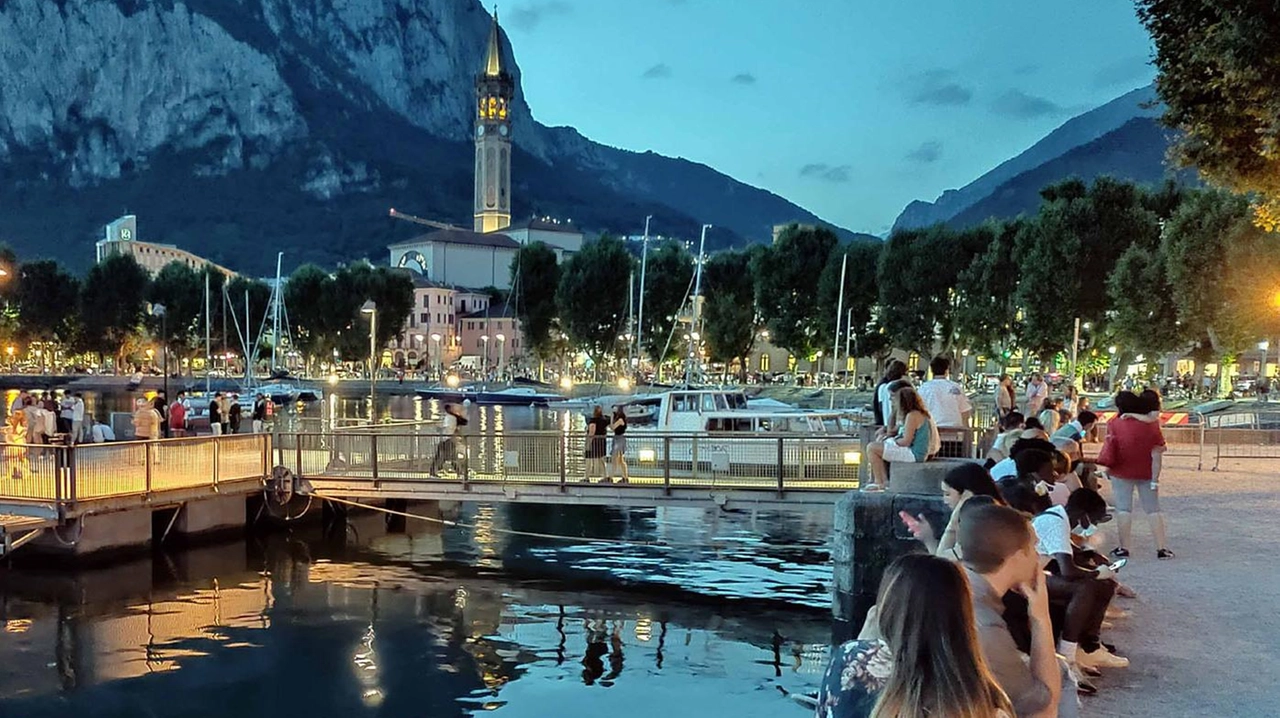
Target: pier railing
(87,472)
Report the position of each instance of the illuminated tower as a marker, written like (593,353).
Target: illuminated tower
(494,90)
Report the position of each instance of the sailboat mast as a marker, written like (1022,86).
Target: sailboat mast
(695,326)
(208,345)
(835,344)
(644,264)
(248,360)
(275,315)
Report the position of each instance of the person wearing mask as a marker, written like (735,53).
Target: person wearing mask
(998,547)
(215,414)
(597,427)
(77,418)
(1006,399)
(259,413)
(881,405)
(618,451)
(146,421)
(178,417)
(918,655)
(1037,394)
(945,399)
(447,450)
(234,415)
(911,444)
(1133,453)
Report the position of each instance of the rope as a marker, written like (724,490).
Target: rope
(509,532)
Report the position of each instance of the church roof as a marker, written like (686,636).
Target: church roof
(493,59)
(542,225)
(461,236)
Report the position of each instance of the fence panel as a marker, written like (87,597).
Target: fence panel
(240,456)
(30,472)
(181,464)
(112,469)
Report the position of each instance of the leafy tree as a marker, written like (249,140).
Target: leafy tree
(181,290)
(729,317)
(861,294)
(535,276)
(786,275)
(593,296)
(916,276)
(47,299)
(1144,313)
(113,302)
(1048,255)
(391,290)
(986,317)
(305,294)
(8,294)
(1219,77)
(667,281)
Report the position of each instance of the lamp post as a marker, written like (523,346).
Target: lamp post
(502,353)
(158,310)
(371,308)
(435,339)
(484,360)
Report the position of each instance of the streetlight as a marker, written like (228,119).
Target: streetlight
(435,338)
(371,308)
(158,310)
(484,360)
(502,353)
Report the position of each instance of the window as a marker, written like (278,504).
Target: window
(684,402)
(708,402)
(425,299)
(425,317)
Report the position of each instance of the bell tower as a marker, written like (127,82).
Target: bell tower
(494,90)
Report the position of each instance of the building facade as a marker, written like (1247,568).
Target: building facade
(453,327)
(121,237)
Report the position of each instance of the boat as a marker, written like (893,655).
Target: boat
(819,443)
(452,394)
(285,392)
(517,396)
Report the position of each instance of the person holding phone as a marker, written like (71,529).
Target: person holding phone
(961,483)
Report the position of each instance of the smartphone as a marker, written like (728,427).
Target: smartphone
(1119,564)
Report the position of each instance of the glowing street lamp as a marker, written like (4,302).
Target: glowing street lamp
(435,338)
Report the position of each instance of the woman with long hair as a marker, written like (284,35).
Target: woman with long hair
(961,483)
(1133,453)
(912,444)
(920,654)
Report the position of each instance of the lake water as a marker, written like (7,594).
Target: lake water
(683,611)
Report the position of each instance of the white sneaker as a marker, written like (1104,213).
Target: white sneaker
(872,487)
(1101,658)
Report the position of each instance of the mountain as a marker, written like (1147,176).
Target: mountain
(1135,151)
(1076,132)
(239,128)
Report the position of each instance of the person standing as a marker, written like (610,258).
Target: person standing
(618,452)
(77,418)
(178,417)
(215,414)
(259,413)
(66,410)
(447,449)
(881,404)
(1037,394)
(161,405)
(234,414)
(146,421)
(224,411)
(944,399)
(597,427)
(1006,400)
(33,412)
(1133,453)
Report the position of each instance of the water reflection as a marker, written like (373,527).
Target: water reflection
(279,630)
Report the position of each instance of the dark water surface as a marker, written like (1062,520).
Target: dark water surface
(686,611)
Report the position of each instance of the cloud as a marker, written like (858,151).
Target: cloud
(827,173)
(1129,71)
(743,78)
(1016,103)
(528,17)
(927,153)
(937,87)
(658,72)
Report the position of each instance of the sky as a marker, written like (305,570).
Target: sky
(849,108)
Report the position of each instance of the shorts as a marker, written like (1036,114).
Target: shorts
(898,454)
(1122,495)
(619,446)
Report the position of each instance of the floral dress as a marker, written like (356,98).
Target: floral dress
(853,682)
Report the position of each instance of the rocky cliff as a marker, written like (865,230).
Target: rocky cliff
(236,128)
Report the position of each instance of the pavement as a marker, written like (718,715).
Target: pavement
(1204,637)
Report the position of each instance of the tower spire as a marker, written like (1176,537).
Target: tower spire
(493,61)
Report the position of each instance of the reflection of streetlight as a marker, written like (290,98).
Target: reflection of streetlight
(435,338)
(371,309)
(502,351)
(10,351)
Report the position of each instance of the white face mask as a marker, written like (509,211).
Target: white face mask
(1084,532)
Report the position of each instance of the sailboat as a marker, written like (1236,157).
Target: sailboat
(283,390)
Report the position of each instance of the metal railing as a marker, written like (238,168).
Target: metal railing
(86,472)
(757,460)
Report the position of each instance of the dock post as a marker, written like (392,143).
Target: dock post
(564,470)
(666,465)
(373,457)
(146,464)
(781,472)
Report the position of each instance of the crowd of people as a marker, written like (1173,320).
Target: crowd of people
(1003,612)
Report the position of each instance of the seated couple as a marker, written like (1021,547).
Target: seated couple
(911,436)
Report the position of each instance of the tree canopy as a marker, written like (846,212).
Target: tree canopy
(593,296)
(535,276)
(786,276)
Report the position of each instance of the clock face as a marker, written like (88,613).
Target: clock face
(479,130)
(502,130)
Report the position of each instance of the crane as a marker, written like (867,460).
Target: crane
(419,220)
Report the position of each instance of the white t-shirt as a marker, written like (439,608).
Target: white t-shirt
(1003,469)
(77,411)
(450,425)
(946,401)
(886,403)
(1053,532)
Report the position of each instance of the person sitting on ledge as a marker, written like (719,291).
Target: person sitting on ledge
(1011,427)
(912,443)
(961,484)
(919,656)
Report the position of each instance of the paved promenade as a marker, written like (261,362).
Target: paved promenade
(1204,637)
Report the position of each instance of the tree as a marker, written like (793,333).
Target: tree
(667,283)
(113,302)
(181,290)
(986,317)
(1144,313)
(593,296)
(1219,77)
(786,275)
(916,276)
(729,316)
(535,276)
(861,295)
(47,300)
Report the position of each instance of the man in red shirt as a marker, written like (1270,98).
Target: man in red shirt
(178,416)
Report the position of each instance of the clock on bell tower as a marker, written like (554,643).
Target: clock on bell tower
(494,91)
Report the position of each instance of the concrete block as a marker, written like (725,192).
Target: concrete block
(922,478)
(118,531)
(218,513)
